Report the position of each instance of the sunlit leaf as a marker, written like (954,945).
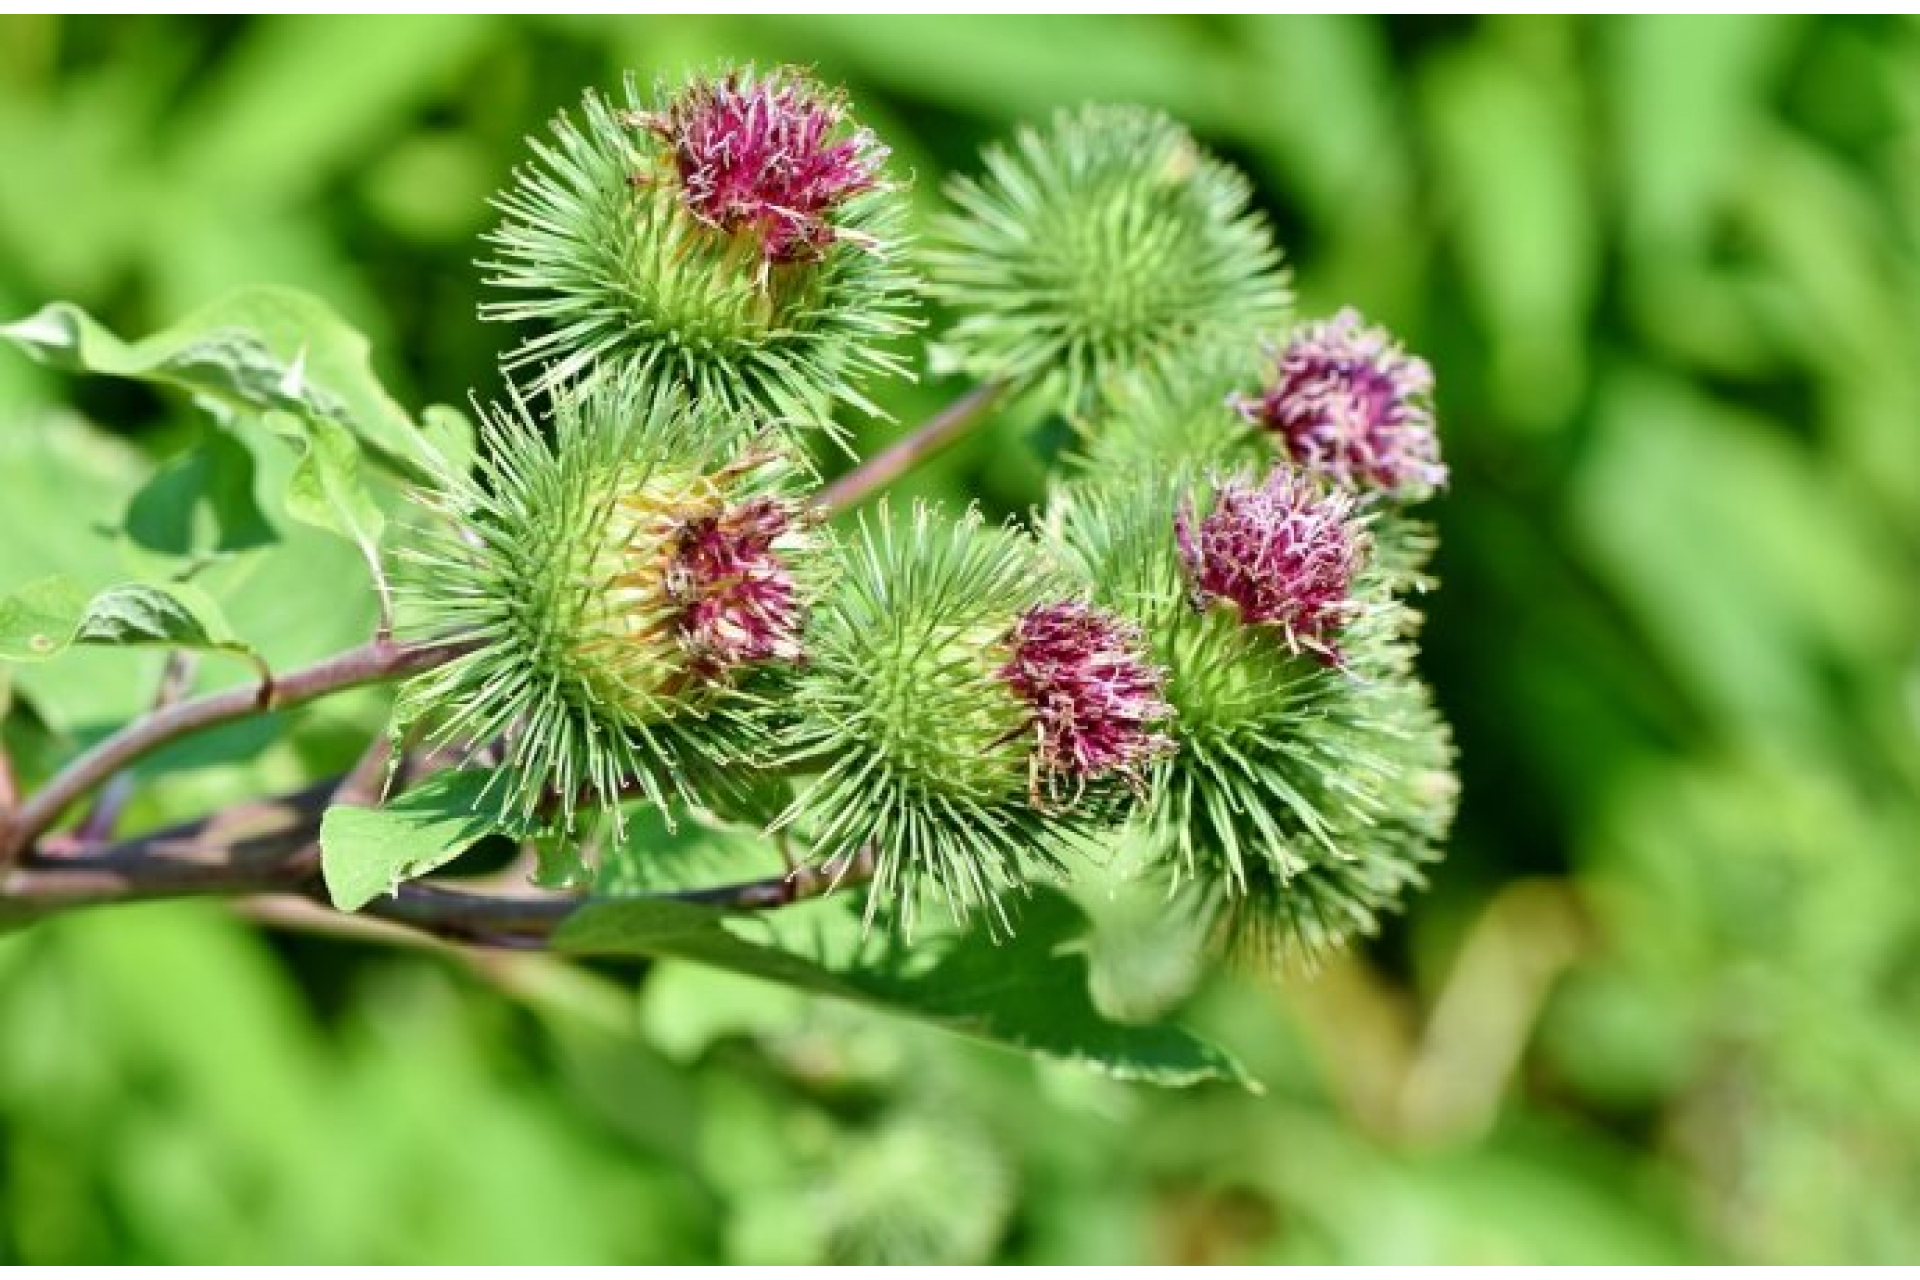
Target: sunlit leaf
(1029,993)
(201,504)
(368,851)
(259,350)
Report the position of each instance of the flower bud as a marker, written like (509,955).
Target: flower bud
(910,710)
(1108,245)
(767,158)
(1305,797)
(734,238)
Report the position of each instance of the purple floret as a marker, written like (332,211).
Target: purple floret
(1284,553)
(768,157)
(1351,406)
(1094,696)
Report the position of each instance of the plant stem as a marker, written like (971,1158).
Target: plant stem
(268,846)
(529,921)
(371,663)
(923,442)
(255,847)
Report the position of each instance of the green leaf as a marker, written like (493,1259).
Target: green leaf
(326,489)
(179,616)
(1029,993)
(365,852)
(44,618)
(282,358)
(58,474)
(262,349)
(450,434)
(201,504)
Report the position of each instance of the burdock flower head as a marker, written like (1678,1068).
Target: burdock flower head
(1094,696)
(1283,552)
(916,735)
(1350,405)
(1306,793)
(767,157)
(620,577)
(733,235)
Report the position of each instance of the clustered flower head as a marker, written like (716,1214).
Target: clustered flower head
(733,236)
(1350,405)
(1284,553)
(1107,245)
(953,708)
(767,156)
(1094,696)
(737,595)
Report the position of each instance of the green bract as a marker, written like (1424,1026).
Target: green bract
(560,562)
(600,252)
(923,752)
(1110,244)
(1148,420)
(1304,797)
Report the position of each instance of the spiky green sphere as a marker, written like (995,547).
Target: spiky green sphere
(1109,244)
(924,752)
(622,573)
(735,237)
(1305,795)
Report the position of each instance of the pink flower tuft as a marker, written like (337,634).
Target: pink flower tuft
(1094,695)
(1352,407)
(1283,553)
(737,597)
(767,157)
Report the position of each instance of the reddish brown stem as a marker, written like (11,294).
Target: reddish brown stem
(371,663)
(269,847)
(926,440)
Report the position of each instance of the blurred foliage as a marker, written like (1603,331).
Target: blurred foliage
(1660,1003)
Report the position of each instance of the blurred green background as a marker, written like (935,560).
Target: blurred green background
(1662,1002)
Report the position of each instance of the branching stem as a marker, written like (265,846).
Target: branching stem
(376,661)
(268,847)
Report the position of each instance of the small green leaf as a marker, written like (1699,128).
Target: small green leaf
(1029,993)
(178,616)
(558,863)
(37,621)
(451,435)
(59,475)
(365,852)
(284,359)
(43,619)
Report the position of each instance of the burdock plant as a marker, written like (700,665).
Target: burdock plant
(631,636)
